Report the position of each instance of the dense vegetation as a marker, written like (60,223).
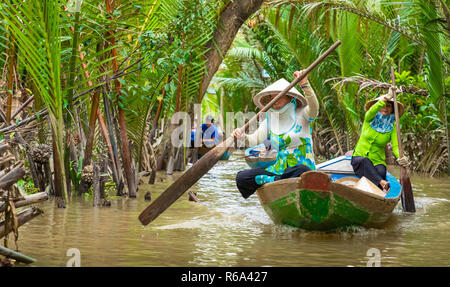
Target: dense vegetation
(100,80)
(412,36)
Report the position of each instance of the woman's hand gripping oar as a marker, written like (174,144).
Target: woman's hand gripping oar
(407,193)
(206,162)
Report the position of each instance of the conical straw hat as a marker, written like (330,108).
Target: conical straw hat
(401,108)
(275,89)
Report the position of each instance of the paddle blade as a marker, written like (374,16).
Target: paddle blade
(407,193)
(183,183)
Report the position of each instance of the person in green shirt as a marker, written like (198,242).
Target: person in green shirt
(379,128)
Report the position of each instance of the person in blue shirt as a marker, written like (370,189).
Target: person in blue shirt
(209,132)
(220,135)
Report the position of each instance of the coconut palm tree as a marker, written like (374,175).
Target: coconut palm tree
(36,28)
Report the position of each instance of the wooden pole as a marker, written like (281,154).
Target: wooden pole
(407,193)
(206,162)
(16,255)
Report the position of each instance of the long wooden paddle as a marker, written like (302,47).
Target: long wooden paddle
(407,193)
(206,162)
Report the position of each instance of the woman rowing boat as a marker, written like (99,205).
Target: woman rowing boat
(288,124)
(378,129)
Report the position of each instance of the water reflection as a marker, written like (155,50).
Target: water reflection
(224,229)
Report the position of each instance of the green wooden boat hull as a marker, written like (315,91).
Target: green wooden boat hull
(313,210)
(315,201)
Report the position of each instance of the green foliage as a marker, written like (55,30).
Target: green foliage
(176,37)
(375,35)
(26,184)
(166,36)
(110,189)
(76,172)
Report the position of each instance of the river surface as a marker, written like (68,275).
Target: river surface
(223,229)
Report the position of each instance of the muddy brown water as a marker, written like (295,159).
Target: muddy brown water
(223,229)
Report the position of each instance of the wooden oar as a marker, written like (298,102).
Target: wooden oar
(206,162)
(407,193)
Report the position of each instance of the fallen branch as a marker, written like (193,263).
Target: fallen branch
(8,169)
(4,147)
(23,106)
(11,177)
(7,159)
(367,83)
(16,255)
(23,217)
(29,199)
(10,128)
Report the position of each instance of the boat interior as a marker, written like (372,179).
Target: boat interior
(341,171)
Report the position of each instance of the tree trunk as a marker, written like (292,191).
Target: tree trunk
(92,121)
(126,156)
(153,164)
(104,170)
(231,19)
(115,159)
(96,187)
(154,161)
(57,165)
(48,176)
(90,140)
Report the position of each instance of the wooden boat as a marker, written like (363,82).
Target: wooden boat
(226,155)
(327,199)
(254,159)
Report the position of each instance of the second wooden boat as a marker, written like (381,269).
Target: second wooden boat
(256,157)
